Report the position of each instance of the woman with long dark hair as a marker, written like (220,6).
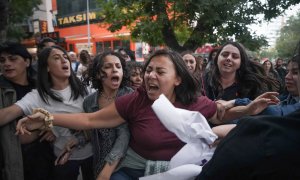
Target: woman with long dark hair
(235,76)
(60,91)
(261,147)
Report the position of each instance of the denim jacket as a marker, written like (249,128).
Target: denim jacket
(11,161)
(109,145)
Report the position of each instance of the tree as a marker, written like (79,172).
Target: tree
(289,37)
(270,53)
(188,24)
(13,13)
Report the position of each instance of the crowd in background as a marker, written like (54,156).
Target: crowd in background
(123,135)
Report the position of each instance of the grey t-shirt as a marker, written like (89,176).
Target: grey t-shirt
(63,135)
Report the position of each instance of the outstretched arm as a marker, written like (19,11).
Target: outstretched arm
(225,113)
(9,114)
(255,107)
(107,117)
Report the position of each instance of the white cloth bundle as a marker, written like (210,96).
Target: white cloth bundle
(192,128)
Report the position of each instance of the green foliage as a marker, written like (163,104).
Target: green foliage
(269,53)
(289,37)
(188,24)
(15,13)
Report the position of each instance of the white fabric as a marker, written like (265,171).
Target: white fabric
(33,100)
(80,70)
(191,127)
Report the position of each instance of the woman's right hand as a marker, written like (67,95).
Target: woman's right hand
(30,123)
(66,152)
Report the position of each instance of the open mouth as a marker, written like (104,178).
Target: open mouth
(8,70)
(115,79)
(152,88)
(227,65)
(65,67)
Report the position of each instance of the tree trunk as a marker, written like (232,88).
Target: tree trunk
(167,30)
(4,19)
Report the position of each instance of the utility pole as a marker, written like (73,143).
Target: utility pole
(88,24)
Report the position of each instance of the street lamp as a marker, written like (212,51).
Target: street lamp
(88,24)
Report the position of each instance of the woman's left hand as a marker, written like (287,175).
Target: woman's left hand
(262,102)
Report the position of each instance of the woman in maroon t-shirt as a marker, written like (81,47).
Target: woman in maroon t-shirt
(164,73)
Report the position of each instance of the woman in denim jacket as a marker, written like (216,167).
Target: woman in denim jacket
(109,76)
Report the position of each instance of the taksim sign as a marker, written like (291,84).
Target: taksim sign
(76,19)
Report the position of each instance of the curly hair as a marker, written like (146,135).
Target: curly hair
(94,70)
(134,66)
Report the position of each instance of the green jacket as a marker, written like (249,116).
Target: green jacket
(11,162)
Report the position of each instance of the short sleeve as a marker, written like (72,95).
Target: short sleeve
(126,105)
(28,102)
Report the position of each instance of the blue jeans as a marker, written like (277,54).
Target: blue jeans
(127,174)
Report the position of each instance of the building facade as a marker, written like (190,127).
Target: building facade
(76,27)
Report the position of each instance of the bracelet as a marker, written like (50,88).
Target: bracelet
(48,120)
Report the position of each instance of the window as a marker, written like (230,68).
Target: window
(107,45)
(126,44)
(117,44)
(99,47)
(67,7)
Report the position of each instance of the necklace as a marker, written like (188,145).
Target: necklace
(107,98)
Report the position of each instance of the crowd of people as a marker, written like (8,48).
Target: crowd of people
(94,114)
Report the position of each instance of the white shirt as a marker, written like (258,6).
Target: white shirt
(33,100)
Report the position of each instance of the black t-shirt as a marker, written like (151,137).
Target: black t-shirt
(22,90)
(259,147)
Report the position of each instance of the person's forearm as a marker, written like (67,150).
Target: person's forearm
(9,114)
(235,113)
(78,121)
(25,139)
(107,117)
(5,118)
(222,130)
